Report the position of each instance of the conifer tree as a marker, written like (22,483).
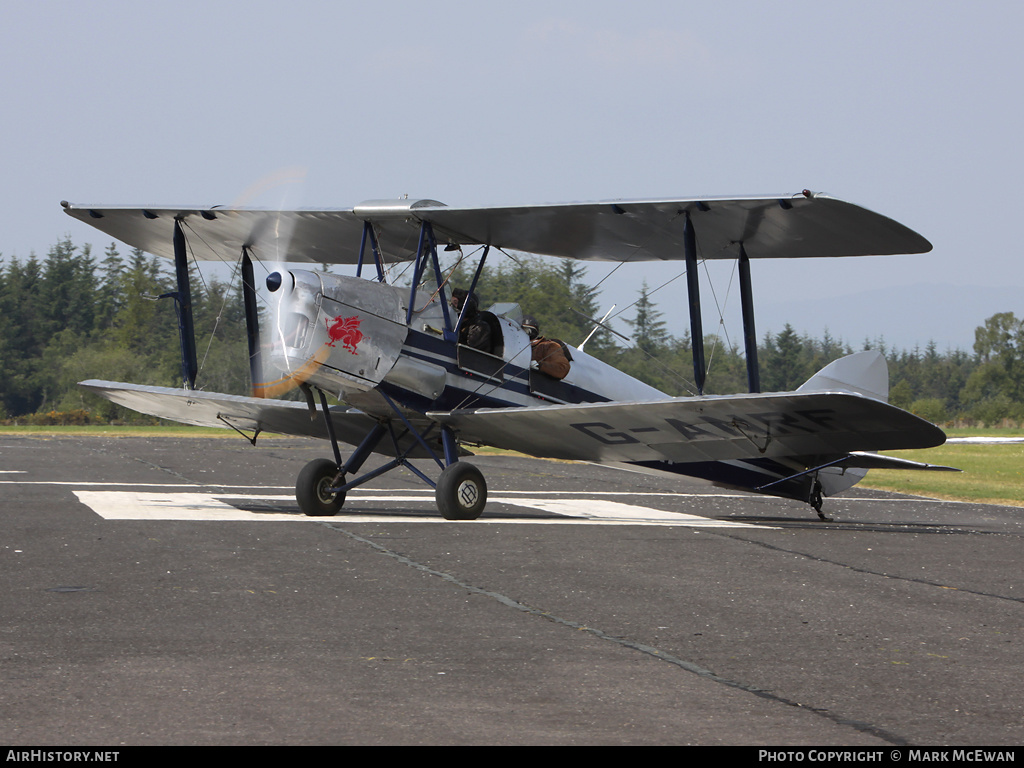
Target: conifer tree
(649,332)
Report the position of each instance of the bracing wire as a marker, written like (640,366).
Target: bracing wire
(721,311)
(235,272)
(720,308)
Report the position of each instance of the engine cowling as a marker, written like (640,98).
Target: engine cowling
(342,334)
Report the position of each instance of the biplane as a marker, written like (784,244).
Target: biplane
(409,388)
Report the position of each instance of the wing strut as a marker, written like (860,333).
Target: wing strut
(369,234)
(252,324)
(749,335)
(472,289)
(183,308)
(426,255)
(693,289)
(696,323)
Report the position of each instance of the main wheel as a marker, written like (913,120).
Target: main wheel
(461,492)
(312,489)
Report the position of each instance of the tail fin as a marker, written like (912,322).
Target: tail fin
(864,373)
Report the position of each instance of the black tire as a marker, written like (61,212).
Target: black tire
(311,489)
(461,492)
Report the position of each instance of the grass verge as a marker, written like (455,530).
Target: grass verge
(992,474)
(160,430)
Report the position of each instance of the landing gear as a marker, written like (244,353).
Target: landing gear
(461,492)
(816,500)
(313,489)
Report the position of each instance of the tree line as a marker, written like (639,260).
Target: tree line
(74,315)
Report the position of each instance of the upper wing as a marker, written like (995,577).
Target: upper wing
(219,234)
(641,230)
(690,429)
(768,227)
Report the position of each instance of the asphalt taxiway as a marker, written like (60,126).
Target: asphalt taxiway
(168,591)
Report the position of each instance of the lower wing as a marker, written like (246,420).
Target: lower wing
(214,409)
(691,429)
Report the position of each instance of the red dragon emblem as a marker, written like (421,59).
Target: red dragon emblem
(346,330)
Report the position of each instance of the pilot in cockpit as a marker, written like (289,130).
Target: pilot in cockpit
(475,330)
(549,355)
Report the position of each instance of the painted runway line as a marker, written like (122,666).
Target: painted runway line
(265,507)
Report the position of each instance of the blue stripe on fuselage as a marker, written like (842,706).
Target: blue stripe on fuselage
(479,391)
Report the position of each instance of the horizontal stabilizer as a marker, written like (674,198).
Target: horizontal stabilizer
(876,461)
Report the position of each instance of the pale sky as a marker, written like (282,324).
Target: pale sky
(911,108)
